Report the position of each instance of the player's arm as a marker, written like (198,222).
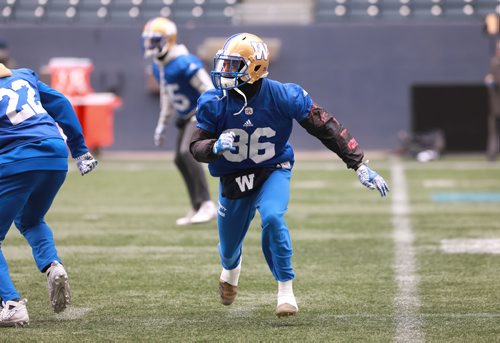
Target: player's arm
(206,146)
(201,81)
(333,135)
(202,146)
(59,108)
(164,117)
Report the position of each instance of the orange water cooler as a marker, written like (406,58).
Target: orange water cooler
(95,111)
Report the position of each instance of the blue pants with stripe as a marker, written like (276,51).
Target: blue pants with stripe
(235,216)
(25,199)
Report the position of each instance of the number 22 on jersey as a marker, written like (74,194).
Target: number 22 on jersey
(17,112)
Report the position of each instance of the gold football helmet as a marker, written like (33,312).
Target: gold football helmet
(243,59)
(158,35)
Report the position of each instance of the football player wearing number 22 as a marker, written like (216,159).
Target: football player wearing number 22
(33,166)
(242,133)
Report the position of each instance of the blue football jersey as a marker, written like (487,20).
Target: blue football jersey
(23,119)
(262,129)
(29,137)
(178,73)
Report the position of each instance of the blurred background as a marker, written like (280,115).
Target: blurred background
(380,66)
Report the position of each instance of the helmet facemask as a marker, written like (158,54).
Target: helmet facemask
(230,71)
(155,45)
(158,36)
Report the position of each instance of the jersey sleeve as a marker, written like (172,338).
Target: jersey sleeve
(206,113)
(333,135)
(59,108)
(296,101)
(193,65)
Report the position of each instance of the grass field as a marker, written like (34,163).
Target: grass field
(367,268)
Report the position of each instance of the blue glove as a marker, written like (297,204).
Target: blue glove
(224,143)
(86,163)
(372,180)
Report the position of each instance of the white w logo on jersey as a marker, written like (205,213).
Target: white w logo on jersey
(261,51)
(245,182)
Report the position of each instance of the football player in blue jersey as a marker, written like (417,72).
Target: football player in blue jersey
(243,129)
(182,79)
(33,166)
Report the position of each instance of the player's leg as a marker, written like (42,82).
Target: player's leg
(497,137)
(493,144)
(272,203)
(31,218)
(233,221)
(194,177)
(31,223)
(14,192)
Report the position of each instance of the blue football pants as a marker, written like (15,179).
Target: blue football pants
(25,199)
(235,216)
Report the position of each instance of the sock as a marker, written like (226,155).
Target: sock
(285,293)
(285,288)
(231,276)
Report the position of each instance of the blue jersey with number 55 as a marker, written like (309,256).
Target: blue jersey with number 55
(175,75)
(262,129)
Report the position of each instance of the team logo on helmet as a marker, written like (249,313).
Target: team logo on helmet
(261,52)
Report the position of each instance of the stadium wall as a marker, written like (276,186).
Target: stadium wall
(361,72)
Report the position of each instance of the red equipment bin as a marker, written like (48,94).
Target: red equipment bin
(71,76)
(96,114)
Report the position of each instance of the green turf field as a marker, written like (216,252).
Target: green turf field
(367,268)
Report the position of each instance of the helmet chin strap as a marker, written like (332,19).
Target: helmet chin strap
(230,82)
(162,53)
(239,91)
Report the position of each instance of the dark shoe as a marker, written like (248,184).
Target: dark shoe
(227,292)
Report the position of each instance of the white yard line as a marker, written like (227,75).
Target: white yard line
(471,246)
(479,315)
(407,303)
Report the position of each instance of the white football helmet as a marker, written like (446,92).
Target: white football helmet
(243,59)
(158,35)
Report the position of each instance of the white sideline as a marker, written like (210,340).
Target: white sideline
(407,303)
